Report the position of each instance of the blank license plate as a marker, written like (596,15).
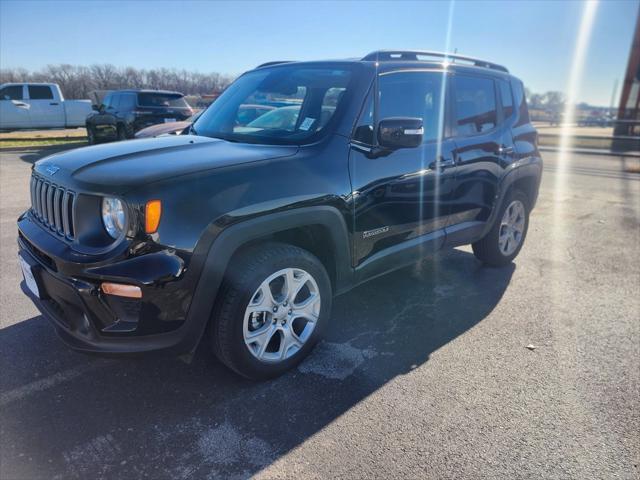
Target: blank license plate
(29,279)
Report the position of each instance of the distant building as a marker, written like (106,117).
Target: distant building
(629,110)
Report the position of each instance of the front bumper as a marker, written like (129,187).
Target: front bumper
(91,321)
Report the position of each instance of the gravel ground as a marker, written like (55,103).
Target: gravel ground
(424,374)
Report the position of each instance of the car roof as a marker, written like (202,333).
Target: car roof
(391,60)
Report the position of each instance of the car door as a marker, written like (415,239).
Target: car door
(483,150)
(401,197)
(14,111)
(46,110)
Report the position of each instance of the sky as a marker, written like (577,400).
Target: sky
(534,39)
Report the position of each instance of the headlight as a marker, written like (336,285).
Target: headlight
(113,216)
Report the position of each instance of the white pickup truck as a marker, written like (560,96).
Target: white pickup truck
(39,105)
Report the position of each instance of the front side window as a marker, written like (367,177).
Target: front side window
(165,100)
(115,101)
(107,100)
(282,105)
(412,94)
(475,104)
(40,92)
(12,92)
(127,101)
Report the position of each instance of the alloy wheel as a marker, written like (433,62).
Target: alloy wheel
(511,228)
(281,315)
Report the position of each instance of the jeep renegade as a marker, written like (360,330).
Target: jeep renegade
(242,232)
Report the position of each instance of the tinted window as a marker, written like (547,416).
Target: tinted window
(520,102)
(40,92)
(412,94)
(475,103)
(127,101)
(299,102)
(161,100)
(115,101)
(364,126)
(13,92)
(506,98)
(107,100)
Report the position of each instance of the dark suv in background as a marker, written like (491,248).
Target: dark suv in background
(124,112)
(242,234)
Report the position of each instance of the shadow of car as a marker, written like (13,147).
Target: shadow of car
(159,417)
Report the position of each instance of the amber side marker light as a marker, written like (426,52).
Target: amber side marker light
(152,213)
(121,290)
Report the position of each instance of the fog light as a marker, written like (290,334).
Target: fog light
(121,290)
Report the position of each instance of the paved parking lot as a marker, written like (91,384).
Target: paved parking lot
(424,374)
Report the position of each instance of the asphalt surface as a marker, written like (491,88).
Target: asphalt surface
(424,374)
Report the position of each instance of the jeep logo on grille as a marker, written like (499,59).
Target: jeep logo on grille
(51,169)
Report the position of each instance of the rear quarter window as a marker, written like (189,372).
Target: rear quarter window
(520,102)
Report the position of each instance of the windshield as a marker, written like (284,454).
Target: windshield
(161,100)
(285,105)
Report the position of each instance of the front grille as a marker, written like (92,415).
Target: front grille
(53,206)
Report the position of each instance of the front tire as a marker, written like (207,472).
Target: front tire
(122,133)
(505,239)
(91,136)
(272,308)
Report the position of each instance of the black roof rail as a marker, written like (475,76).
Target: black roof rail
(412,55)
(276,62)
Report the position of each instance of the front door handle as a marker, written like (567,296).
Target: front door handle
(54,103)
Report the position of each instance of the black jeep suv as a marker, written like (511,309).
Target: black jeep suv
(242,233)
(124,112)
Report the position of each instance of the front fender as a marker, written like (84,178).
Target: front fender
(212,259)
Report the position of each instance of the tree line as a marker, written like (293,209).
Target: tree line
(77,81)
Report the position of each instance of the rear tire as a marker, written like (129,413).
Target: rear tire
(505,239)
(272,308)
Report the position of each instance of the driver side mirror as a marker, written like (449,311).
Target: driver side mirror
(97,108)
(400,132)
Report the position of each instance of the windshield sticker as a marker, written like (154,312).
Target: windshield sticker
(306,124)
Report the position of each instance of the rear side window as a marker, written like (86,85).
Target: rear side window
(506,98)
(412,94)
(40,92)
(475,105)
(161,100)
(12,92)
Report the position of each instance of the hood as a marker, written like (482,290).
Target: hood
(162,129)
(120,166)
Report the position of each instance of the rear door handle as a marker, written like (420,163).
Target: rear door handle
(505,149)
(442,162)
(54,103)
